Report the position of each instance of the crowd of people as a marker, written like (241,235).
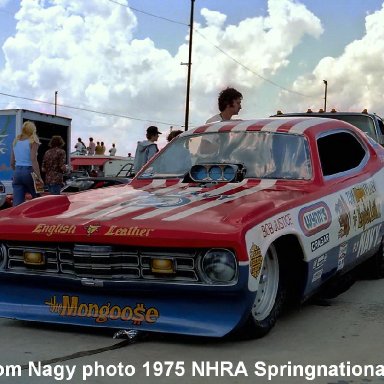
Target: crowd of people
(93,148)
(25,148)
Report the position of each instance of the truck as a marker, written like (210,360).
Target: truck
(47,125)
(100,165)
(370,123)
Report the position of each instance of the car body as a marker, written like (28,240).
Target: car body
(212,236)
(81,184)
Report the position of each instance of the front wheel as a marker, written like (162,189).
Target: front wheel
(269,300)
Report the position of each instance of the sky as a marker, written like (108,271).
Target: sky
(120,66)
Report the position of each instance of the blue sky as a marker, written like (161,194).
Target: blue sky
(107,56)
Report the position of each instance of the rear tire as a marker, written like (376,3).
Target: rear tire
(373,268)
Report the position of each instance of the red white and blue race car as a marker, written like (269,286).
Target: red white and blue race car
(214,235)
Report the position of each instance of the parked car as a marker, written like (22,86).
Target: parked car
(224,227)
(3,195)
(370,123)
(81,184)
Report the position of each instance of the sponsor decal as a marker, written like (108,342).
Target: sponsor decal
(315,218)
(344,217)
(368,240)
(71,306)
(269,228)
(317,275)
(366,209)
(360,193)
(366,214)
(342,254)
(256,260)
(318,267)
(58,229)
(319,262)
(319,242)
(114,230)
(91,229)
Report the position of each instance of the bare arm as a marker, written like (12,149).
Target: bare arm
(13,161)
(35,164)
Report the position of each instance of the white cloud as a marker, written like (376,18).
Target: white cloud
(354,78)
(87,51)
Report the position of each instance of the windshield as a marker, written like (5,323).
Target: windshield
(263,154)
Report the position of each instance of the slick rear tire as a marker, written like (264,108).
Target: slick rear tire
(373,268)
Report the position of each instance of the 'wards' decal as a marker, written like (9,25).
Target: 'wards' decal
(315,218)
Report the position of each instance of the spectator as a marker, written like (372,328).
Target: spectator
(54,165)
(173,134)
(91,147)
(24,162)
(229,104)
(147,148)
(112,151)
(129,154)
(80,147)
(98,149)
(102,148)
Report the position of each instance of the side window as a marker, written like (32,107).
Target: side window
(381,126)
(339,152)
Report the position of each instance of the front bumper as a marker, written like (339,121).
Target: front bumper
(182,309)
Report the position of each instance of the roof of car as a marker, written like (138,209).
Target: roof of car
(287,124)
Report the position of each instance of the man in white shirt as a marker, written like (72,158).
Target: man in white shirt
(229,104)
(112,151)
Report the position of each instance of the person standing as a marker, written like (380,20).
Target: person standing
(80,147)
(54,165)
(24,163)
(102,148)
(173,134)
(98,149)
(147,148)
(112,151)
(229,102)
(91,147)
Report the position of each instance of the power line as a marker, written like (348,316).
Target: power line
(218,48)
(88,110)
(250,70)
(148,14)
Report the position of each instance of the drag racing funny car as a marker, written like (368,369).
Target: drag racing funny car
(215,235)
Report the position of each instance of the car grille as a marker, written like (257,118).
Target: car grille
(102,262)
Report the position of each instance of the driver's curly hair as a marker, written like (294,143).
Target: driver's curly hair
(227,97)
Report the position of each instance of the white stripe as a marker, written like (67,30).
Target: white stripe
(216,126)
(120,210)
(264,184)
(243,126)
(159,211)
(99,203)
(303,125)
(273,125)
(109,200)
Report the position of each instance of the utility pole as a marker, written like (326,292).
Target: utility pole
(56,103)
(189,67)
(325,95)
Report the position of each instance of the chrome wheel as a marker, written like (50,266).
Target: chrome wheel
(268,286)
